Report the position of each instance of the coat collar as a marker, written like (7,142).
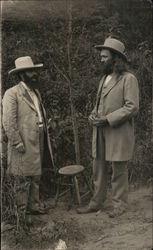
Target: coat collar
(26,97)
(113,81)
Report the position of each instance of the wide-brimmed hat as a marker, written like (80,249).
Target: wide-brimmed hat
(23,63)
(114,45)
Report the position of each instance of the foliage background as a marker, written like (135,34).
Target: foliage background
(40,29)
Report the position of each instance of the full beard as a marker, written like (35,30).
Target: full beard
(32,83)
(107,67)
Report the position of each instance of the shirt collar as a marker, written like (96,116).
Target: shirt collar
(26,87)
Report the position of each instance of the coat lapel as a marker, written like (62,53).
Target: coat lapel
(40,101)
(26,97)
(115,79)
(99,91)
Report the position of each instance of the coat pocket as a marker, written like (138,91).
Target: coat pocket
(31,142)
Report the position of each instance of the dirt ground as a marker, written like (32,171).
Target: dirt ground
(131,231)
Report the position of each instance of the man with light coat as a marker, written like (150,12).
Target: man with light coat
(24,122)
(112,119)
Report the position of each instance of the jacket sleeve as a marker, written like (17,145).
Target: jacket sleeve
(10,117)
(131,103)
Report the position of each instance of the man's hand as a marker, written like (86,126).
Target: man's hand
(91,118)
(20,147)
(102,121)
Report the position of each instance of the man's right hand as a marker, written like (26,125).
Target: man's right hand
(91,118)
(20,147)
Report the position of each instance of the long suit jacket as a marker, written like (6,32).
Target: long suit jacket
(20,122)
(119,102)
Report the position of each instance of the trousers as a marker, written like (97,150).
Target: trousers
(27,187)
(27,191)
(119,183)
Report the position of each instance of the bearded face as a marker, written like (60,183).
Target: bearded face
(107,62)
(31,78)
(107,67)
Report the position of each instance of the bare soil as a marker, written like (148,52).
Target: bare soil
(131,231)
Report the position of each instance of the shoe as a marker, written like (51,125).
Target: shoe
(38,211)
(116,213)
(88,209)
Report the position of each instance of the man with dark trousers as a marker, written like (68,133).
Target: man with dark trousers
(112,119)
(25,124)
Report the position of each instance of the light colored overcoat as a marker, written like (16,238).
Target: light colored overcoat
(119,102)
(20,122)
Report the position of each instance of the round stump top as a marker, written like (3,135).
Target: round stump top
(71,170)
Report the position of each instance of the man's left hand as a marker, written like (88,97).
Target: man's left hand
(102,121)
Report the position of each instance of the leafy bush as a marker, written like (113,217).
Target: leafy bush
(47,42)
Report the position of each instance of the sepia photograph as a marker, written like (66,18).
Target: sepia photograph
(76,134)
